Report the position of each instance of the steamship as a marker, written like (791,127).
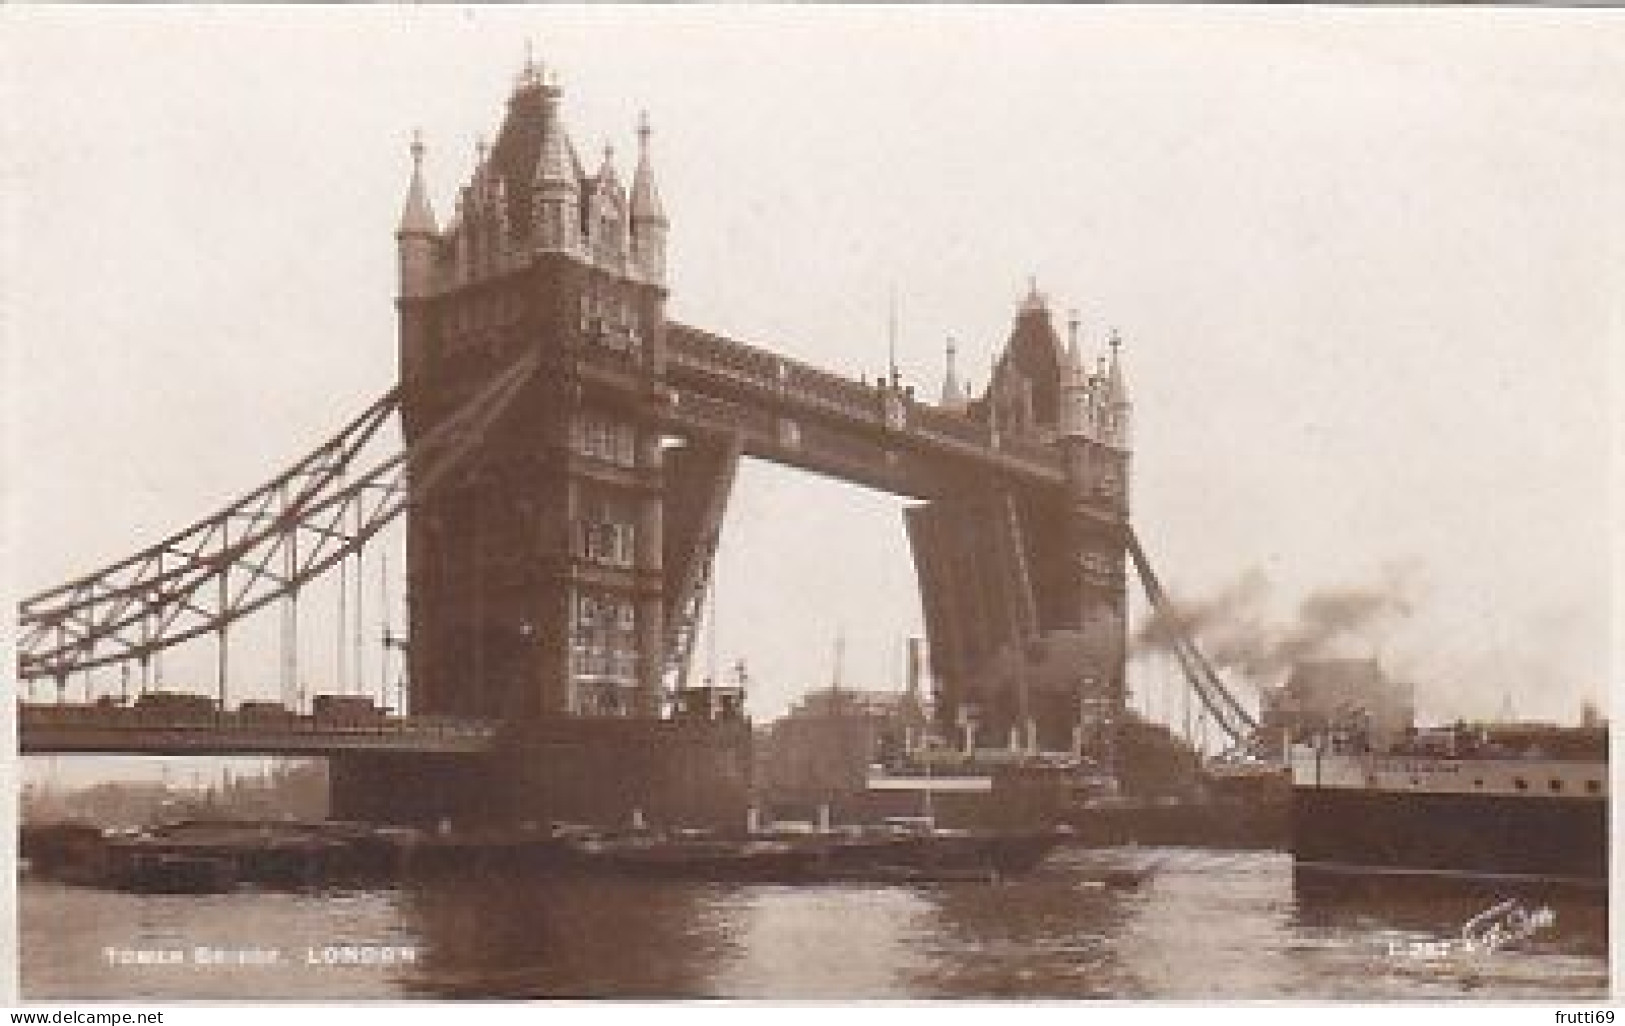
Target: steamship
(1525,803)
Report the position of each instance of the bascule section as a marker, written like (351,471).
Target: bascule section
(1022,582)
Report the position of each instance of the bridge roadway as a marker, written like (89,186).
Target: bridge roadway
(45,729)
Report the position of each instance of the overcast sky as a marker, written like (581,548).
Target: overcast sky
(1366,264)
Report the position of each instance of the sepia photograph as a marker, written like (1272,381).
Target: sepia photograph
(812,503)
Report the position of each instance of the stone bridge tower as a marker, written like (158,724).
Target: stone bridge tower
(538,576)
(537,583)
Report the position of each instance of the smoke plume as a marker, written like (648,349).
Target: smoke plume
(1233,630)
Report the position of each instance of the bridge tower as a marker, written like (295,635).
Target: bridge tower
(1024,587)
(1096,439)
(537,579)
(536,583)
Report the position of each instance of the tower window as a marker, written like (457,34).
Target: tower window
(606,541)
(587,611)
(603,438)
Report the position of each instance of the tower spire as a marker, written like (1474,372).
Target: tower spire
(648,216)
(1034,303)
(1117,400)
(1074,354)
(533,74)
(556,195)
(415,238)
(608,227)
(891,338)
(645,196)
(417,217)
(1116,389)
(953,393)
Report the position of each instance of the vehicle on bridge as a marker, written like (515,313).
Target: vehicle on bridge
(176,706)
(258,711)
(350,710)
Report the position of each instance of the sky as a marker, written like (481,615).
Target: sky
(1365,263)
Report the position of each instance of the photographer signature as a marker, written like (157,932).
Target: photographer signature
(1497,927)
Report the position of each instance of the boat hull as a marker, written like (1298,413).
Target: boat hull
(1511,837)
(943,855)
(718,863)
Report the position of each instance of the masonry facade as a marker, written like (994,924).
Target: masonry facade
(555,579)
(536,581)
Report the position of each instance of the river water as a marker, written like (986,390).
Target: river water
(1206,925)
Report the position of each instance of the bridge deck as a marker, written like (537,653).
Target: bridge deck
(49,729)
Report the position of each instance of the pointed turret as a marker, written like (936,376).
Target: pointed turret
(414,239)
(1032,373)
(953,393)
(1116,397)
(1075,398)
(609,181)
(1116,389)
(1035,302)
(532,75)
(648,215)
(607,229)
(417,217)
(556,184)
(646,206)
(1074,355)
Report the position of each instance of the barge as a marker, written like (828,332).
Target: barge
(206,857)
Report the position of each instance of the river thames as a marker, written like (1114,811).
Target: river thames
(1206,925)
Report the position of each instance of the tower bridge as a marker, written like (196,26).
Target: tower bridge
(569,455)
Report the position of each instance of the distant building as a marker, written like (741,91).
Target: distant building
(820,752)
(1333,694)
